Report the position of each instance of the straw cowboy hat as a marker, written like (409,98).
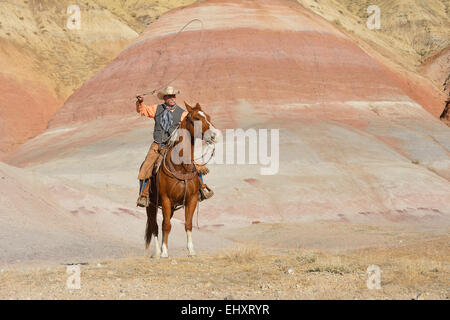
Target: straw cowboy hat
(167,91)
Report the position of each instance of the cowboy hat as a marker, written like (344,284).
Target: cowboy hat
(167,91)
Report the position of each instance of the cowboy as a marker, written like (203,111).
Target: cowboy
(167,116)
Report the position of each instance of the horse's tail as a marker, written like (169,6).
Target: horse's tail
(152,213)
(148,234)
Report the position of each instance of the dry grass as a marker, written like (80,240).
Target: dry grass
(416,270)
(410,29)
(414,266)
(306,258)
(241,254)
(66,59)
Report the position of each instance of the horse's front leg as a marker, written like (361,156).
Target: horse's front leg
(166,226)
(189,214)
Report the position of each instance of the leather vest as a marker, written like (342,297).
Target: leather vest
(159,135)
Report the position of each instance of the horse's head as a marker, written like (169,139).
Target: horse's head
(196,116)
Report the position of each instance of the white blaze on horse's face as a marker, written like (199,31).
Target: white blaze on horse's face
(212,133)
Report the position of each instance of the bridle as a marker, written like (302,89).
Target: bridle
(208,143)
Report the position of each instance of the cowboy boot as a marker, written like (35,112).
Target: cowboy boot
(205,191)
(144,199)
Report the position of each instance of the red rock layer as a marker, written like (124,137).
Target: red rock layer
(268,52)
(25,108)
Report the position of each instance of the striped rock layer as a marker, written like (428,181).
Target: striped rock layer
(352,145)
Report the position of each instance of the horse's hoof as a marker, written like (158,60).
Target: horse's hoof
(191,255)
(164,257)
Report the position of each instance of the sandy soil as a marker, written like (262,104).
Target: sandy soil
(265,264)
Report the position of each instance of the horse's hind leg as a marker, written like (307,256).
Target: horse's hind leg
(151,233)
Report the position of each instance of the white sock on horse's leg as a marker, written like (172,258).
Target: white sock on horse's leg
(190,244)
(164,249)
(157,248)
(165,252)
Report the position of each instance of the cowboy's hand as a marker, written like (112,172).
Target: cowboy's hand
(139,102)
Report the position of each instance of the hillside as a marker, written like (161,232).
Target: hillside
(350,138)
(412,34)
(42,61)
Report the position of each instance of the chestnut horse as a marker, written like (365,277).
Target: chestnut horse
(177,184)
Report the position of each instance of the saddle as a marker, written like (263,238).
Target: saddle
(200,168)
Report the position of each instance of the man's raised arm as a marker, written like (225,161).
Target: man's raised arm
(143,110)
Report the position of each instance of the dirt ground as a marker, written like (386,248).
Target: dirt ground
(333,263)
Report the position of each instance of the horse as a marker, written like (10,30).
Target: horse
(177,184)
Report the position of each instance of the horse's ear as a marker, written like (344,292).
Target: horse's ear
(188,107)
(198,106)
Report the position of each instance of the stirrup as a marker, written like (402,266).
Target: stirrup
(143,201)
(205,194)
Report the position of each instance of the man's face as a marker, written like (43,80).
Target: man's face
(169,100)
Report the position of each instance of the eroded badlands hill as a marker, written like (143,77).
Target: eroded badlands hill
(353,146)
(42,60)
